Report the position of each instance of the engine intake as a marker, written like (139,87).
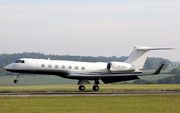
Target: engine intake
(118,67)
(109,66)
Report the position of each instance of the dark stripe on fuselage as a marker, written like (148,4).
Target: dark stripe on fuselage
(52,72)
(45,72)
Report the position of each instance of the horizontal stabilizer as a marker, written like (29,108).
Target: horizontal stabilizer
(152,48)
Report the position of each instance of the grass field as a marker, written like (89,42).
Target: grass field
(92,104)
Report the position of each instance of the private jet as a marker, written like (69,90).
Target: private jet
(109,72)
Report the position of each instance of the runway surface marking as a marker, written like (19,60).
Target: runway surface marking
(89,93)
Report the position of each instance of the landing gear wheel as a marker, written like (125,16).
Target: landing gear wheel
(15,81)
(95,88)
(81,88)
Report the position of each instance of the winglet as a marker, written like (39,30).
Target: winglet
(158,70)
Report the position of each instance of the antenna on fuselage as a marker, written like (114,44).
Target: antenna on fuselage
(49,58)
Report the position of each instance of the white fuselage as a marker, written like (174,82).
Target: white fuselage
(57,67)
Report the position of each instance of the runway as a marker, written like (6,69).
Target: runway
(90,93)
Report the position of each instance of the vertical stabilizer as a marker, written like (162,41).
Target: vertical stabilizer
(139,55)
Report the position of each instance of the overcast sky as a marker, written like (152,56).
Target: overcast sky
(90,28)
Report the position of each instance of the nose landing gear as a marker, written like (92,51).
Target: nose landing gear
(15,81)
(16,78)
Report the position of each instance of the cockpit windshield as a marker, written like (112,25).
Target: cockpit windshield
(19,61)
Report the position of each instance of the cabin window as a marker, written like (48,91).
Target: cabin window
(17,61)
(69,67)
(49,66)
(42,65)
(76,67)
(63,67)
(56,66)
(83,68)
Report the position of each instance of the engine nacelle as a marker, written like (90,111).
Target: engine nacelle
(120,67)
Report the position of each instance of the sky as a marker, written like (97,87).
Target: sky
(90,28)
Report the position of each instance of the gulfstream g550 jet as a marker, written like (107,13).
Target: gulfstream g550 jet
(84,71)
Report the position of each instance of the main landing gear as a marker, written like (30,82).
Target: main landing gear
(16,79)
(95,87)
(81,87)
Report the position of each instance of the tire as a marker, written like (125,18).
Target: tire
(82,88)
(15,81)
(95,88)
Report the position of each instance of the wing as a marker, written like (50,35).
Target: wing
(116,78)
(119,75)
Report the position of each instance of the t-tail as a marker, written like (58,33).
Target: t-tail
(139,56)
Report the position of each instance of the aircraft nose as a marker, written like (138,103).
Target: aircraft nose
(8,67)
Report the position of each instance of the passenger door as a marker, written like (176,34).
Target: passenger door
(33,66)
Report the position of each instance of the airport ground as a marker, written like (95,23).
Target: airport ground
(123,103)
(114,103)
(92,104)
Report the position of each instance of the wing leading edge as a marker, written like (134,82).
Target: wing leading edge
(118,78)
